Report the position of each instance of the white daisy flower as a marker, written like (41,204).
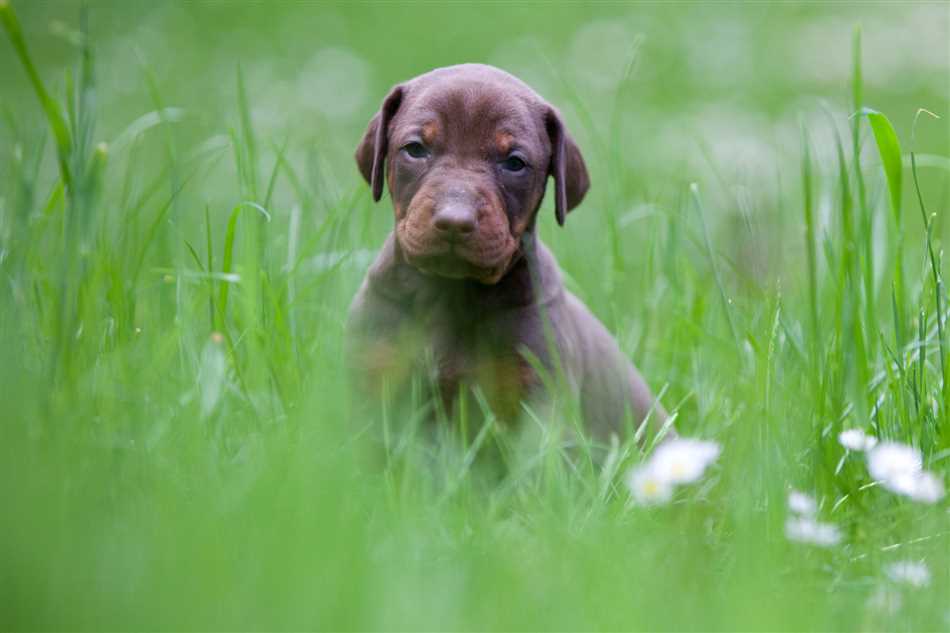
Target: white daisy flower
(889,460)
(923,486)
(857,440)
(808,530)
(915,574)
(647,487)
(682,460)
(899,468)
(677,461)
(929,488)
(800,503)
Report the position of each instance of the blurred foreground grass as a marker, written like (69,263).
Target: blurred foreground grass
(177,447)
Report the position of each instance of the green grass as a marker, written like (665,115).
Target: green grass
(179,451)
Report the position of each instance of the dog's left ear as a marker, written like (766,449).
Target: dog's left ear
(571,181)
(371,152)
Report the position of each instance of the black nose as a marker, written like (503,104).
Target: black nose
(457,219)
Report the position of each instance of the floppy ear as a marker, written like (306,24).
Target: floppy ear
(371,152)
(567,167)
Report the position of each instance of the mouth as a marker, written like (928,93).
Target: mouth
(447,263)
(452,263)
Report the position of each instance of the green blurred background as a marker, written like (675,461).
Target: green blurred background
(154,477)
(659,95)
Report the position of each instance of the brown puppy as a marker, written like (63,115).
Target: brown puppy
(462,289)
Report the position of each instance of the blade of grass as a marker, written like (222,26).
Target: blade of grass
(209,246)
(889,149)
(865,229)
(697,202)
(51,108)
(229,246)
(944,431)
(810,247)
(153,229)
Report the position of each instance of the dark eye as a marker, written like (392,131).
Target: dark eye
(513,163)
(415,150)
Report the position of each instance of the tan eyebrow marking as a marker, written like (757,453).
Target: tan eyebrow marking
(504,141)
(429,132)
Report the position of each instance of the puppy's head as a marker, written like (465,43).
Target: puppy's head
(467,151)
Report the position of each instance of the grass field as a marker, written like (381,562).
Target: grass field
(182,227)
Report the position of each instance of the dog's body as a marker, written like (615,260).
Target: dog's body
(462,288)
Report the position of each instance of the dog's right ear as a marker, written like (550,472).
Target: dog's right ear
(371,152)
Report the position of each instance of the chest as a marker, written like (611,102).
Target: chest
(497,356)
